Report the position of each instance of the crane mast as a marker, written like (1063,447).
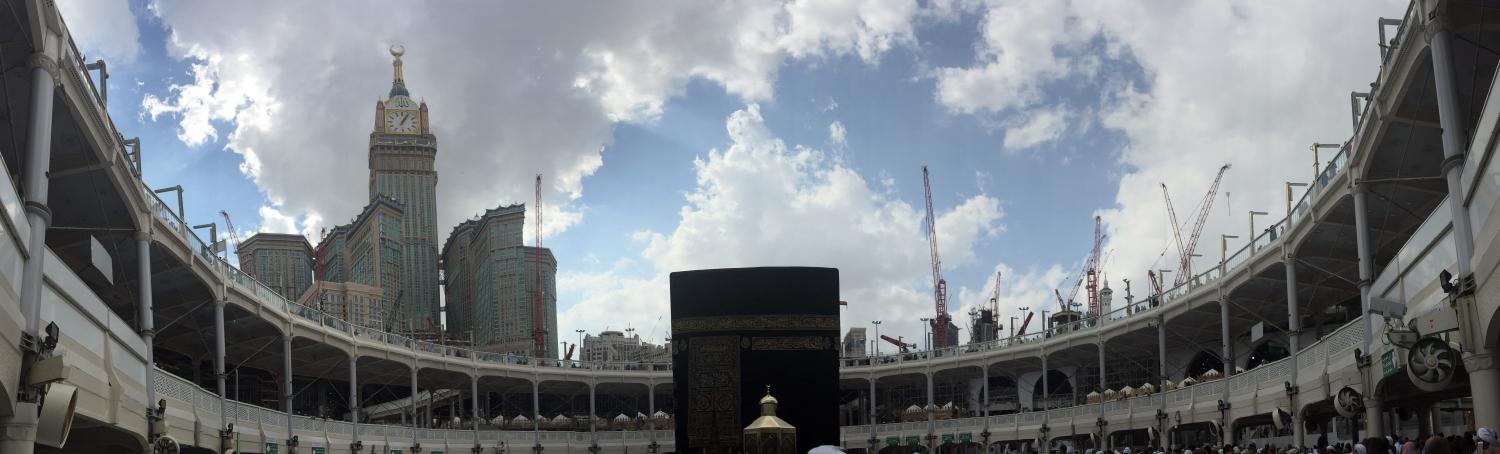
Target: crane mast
(939,286)
(1092,272)
(538,325)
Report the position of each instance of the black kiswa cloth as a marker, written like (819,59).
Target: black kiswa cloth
(736,331)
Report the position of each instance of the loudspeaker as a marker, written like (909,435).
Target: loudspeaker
(56,418)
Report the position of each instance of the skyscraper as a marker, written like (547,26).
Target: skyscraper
(491,277)
(282,261)
(368,251)
(401,160)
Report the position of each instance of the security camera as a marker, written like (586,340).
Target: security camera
(56,419)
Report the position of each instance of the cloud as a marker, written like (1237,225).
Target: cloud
(112,33)
(1220,82)
(514,90)
(762,202)
(1044,125)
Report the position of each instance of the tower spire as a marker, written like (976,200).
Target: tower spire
(398,84)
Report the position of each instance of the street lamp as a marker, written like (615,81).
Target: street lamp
(178,190)
(1253,214)
(1188,273)
(1289,186)
(877,336)
(924,332)
(213,236)
(1224,248)
(1315,146)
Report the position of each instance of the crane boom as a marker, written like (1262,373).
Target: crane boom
(234,237)
(905,347)
(939,286)
(538,326)
(1208,204)
(1182,253)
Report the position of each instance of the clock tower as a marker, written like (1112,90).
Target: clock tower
(402,155)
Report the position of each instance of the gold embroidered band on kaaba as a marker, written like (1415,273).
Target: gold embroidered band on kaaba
(756,322)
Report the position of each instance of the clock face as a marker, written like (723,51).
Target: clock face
(401,122)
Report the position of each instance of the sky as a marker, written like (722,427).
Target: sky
(682,134)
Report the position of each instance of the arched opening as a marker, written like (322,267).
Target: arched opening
(1266,352)
(1203,362)
(1059,392)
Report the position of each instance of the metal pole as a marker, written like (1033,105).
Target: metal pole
(1294,331)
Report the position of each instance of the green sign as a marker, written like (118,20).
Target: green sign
(319,450)
(892,441)
(947,438)
(395,451)
(1388,361)
(271,448)
(966,437)
(913,440)
(437,452)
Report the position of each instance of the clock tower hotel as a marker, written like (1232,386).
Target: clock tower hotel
(383,269)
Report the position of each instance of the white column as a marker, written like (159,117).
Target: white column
(219,366)
(414,416)
(354,397)
(148,322)
(18,432)
(1294,328)
(286,383)
(1366,278)
(1484,373)
(474,397)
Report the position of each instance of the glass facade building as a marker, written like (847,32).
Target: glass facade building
(282,261)
(491,277)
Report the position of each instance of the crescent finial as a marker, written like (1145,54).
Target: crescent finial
(398,50)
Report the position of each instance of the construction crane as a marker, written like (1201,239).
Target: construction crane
(1092,268)
(995,302)
(939,286)
(1186,247)
(569,355)
(1026,322)
(905,347)
(1087,272)
(538,326)
(234,237)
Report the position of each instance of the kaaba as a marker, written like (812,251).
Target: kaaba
(737,331)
